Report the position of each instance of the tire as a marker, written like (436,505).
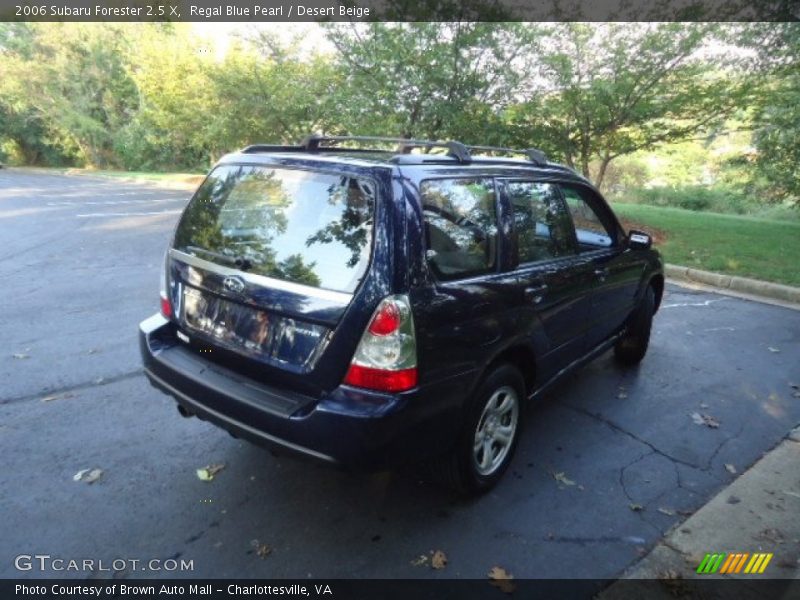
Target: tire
(489,435)
(632,346)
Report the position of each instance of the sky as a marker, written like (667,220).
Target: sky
(220,34)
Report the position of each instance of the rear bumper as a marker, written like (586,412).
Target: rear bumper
(347,426)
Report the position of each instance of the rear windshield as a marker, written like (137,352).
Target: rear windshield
(300,226)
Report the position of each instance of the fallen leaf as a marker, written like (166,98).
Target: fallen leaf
(88,475)
(636,507)
(705,419)
(669,574)
(20,355)
(562,478)
(733,500)
(208,473)
(438,560)
(421,560)
(501,579)
(771,535)
(730,468)
(667,511)
(263,551)
(771,349)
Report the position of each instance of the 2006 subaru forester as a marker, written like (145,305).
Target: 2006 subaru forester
(369,307)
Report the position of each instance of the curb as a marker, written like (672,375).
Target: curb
(188,182)
(743,285)
(722,525)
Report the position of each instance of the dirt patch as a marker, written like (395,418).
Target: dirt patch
(659,236)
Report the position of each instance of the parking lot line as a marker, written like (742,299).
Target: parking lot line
(131,214)
(114,202)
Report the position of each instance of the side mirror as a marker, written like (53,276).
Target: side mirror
(639,240)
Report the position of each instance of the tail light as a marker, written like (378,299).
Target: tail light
(386,357)
(166,303)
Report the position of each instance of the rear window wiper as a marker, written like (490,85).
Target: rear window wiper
(237,261)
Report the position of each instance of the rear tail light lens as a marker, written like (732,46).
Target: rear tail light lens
(166,304)
(386,357)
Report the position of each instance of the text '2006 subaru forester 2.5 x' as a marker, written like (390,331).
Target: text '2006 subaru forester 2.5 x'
(370,307)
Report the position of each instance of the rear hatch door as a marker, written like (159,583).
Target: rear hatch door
(265,264)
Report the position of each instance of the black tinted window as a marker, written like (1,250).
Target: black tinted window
(460,225)
(541,221)
(300,226)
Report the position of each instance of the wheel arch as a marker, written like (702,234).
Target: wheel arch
(657,281)
(520,356)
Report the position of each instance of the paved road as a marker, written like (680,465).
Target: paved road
(79,266)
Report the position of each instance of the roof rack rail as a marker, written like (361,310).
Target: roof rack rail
(253,148)
(457,150)
(534,155)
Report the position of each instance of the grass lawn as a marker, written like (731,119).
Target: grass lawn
(730,244)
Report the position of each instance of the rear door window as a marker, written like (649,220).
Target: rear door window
(460,226)
(300,226)
(541,221)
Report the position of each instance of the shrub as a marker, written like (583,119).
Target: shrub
(717,198)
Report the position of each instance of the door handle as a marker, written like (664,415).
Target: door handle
(535,293)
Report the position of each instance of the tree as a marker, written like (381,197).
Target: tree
(268,92)
(606,90)
(432,80)
(173,73)
(777,119)
(72,80)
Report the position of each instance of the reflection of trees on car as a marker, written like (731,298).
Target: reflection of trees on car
(352,229)
(237,213)
(460,220)
(463,210)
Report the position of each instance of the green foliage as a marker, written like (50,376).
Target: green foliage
(693,197)
(430,80)
(72,79)
(608,90)
(266,92)
(636,107)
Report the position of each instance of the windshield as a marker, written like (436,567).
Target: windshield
(301,226)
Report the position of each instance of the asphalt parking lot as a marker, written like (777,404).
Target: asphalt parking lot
(609,461)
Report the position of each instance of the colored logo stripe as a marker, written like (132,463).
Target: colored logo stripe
(758,563)
(734,562)
(711,563)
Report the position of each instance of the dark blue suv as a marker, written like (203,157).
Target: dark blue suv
(369,307)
